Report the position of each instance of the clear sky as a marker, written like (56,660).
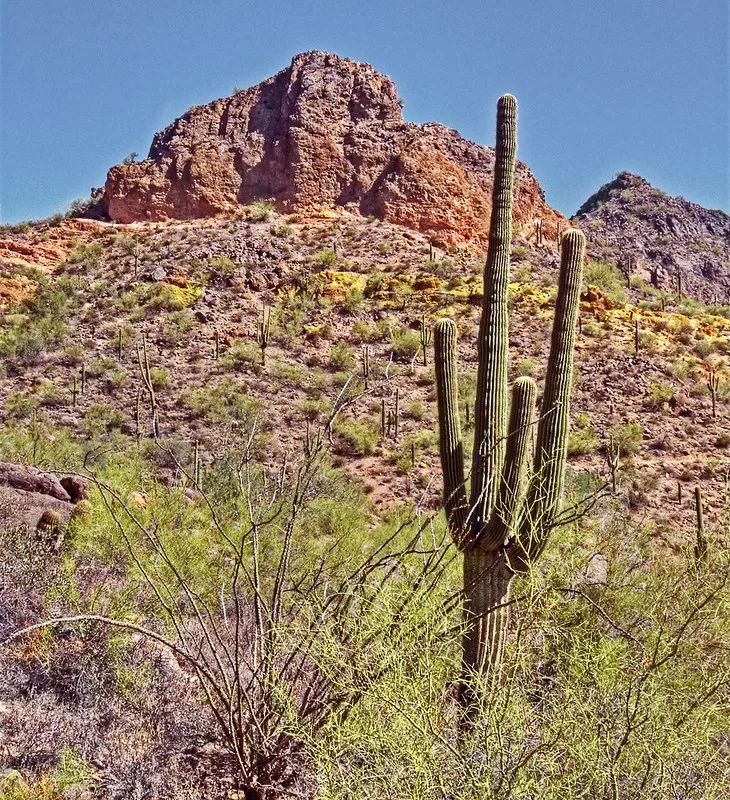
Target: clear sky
(602,85)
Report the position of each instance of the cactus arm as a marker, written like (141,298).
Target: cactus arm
(546,484)
(451,446)
(490,407)
(514,474)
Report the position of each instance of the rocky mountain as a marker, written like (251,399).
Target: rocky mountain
(324,133)
(664,237)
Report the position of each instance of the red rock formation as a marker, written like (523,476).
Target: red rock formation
(323,133)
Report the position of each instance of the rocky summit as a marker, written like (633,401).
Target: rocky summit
(324,133)
(668,241)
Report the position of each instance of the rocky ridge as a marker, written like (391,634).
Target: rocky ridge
(325,133)
(663,236)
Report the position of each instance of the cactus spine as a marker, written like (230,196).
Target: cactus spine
(504,523)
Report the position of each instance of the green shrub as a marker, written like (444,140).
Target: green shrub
(261,211)
(25,336)
(628,437)
(286,371)
(679,367)
(242,352)
(116,377)
(608,278)
(177,325)
(582,441)
(49,393)
(160,377)
(404,344)
(659,395)
(97,369)
(282,230)
(593,329)
(706,346)
(21,405)
(27,341)
(359,438)
(342,357)
(416,409)
(648,342)
(222,266)
(73,354)
(100,418)
(87,254)
(325,259)
(225,402)
(363,331)
(167,297)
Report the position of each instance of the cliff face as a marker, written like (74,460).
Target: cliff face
(664,236)
(324,133)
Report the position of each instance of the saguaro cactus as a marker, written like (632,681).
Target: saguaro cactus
(713,382)
(503,525)
(263,332)
(425,336)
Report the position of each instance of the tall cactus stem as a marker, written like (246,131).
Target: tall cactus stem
(451,446)
(425,339)
(490,408)
(524,395)
(713,382)
(701,542)
(546,485)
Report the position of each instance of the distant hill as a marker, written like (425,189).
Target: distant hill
(663,236)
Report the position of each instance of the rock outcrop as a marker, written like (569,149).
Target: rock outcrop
(663,236)
(324,133)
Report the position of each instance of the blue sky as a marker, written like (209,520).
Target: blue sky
(602,85)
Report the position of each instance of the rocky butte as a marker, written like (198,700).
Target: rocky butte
(325,133)
(628,221)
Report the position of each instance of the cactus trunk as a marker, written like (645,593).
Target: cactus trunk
(487,583)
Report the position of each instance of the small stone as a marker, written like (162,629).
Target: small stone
(76,487)
(597,570)
(137,500)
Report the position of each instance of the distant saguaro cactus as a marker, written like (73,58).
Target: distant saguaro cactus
(713,382)
(425,335)
(504,523)
(700,551)
(263,332)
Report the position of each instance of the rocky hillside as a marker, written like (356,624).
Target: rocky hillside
(326,132)
(336,287)
(662,237)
